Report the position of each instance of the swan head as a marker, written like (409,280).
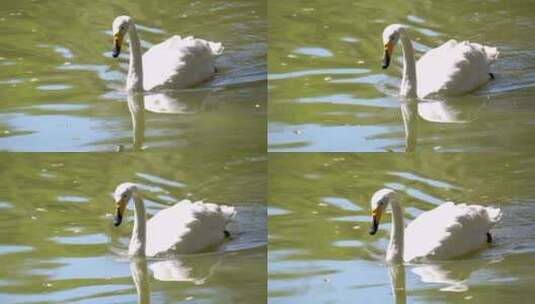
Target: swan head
(120,27)
(122,195)
(391,35)
(379,202)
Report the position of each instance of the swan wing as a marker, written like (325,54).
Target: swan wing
(179,62)
(454,68)
(449,231)
(187,227)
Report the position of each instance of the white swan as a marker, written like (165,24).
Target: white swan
(445,232)
(177,62)
(454,68)
(183,228)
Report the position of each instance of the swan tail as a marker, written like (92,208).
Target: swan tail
(228,212)
(495,214)
(216,48)
(492,53)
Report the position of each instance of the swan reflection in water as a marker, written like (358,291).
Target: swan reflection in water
(196,269)
(435,111)
(184,102)
(140,275)
(396,272)
(409,109)
(136,106)
(451,276)
(191,268)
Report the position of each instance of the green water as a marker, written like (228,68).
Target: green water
(60,89)
(320,250)
(58,243)
(327,91)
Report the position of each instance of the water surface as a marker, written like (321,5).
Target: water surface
(319,214)
(328,92)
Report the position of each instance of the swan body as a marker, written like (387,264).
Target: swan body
(452,69)
(196,226)
(186,227)
(448,231)
(174,63)
(180,62)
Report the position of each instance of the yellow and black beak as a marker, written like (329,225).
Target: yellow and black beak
(376,218)
(389,49)
(117,42)
(119,210)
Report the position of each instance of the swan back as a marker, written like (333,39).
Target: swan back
(449,231)
(187,227)
(180,62)
(454,68)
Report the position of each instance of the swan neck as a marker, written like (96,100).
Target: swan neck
(138,240)
(394,253)
(134,81)
(408,82)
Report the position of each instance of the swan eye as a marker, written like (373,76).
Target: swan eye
(124,196)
